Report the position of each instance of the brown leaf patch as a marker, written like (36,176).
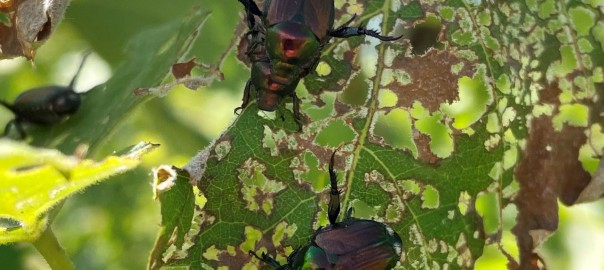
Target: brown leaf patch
(431,79)
(233,262)
(181,70)
(549,170)
(422,141)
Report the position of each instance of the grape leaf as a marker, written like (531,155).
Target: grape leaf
(502,96)
(172,188)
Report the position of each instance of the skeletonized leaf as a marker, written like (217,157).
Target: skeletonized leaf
(496,102)
(172,188)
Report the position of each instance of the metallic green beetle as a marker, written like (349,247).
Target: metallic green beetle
(350,244)
(286,46)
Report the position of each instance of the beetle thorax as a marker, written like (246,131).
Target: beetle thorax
(292,43)
(67,103)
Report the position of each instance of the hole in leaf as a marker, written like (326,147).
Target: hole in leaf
(45,31)
(9,224)
(430,197)
(395,129)
(425,35)
(487,206)
(361,209)
(317,177)
(335,134)
(357,91)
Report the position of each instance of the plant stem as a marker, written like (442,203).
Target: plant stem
(52,251)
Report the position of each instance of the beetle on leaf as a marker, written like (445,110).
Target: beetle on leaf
(286,46)
(45,105)
(350,244)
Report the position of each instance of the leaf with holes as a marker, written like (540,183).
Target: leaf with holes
(431,132)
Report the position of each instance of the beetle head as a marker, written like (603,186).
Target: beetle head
(268,101)
(309,257)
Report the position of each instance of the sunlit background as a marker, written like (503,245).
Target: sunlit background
(113,225)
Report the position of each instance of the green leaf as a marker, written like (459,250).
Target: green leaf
(34,180)
(497,112)
(172,188)
(147,62)
(280,209)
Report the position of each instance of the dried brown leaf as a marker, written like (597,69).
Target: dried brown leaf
(549,171)
(32,23)
(181,70)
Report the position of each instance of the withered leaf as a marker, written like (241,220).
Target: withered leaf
(181,70)
(31,24)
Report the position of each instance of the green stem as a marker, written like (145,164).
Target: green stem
(52,251)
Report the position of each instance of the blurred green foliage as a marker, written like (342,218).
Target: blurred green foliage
(113,225)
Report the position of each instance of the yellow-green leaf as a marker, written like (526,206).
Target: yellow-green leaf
(33,180)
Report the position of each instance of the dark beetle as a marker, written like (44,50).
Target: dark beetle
(287,44)
(350,244)
(44,105)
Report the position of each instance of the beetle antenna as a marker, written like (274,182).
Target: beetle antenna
(75,77)
(333,209)
(7,105)
(7,128)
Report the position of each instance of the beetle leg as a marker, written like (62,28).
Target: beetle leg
(246,97)
(251,22)
(251,48)
(19,128)
(333,209)
(7,127)
(297,114)
(266,259)
(346,32)
(11,122)
(312,67)
(251,9)
(17,124)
